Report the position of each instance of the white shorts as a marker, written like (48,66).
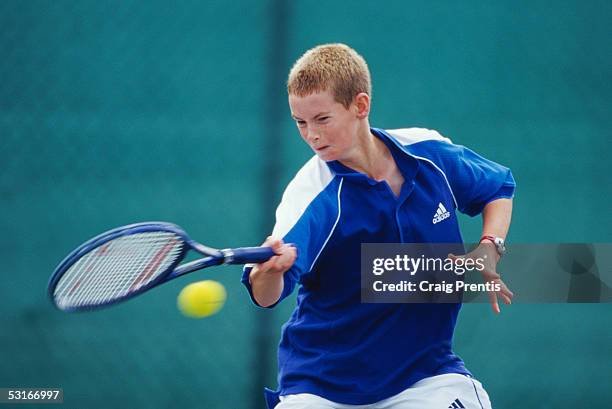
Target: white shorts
(454,391)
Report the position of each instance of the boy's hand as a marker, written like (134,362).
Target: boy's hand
(486,251)
(266,279)
(280,263)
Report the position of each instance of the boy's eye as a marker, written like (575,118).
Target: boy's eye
(323,118)
(300,123)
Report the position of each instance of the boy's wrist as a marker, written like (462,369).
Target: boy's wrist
(498,242)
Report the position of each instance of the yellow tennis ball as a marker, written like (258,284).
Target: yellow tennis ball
(201,299)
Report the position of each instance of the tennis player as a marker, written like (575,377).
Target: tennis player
(369,185)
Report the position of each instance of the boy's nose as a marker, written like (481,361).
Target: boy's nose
(313,135)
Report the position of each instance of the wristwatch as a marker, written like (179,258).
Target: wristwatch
(500,244)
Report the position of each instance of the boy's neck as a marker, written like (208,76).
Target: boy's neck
(371,156)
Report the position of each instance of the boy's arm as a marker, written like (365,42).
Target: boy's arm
(266,279)
(496,218)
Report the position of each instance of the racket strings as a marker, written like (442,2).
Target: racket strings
(117,268)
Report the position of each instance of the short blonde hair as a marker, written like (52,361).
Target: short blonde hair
(334,67)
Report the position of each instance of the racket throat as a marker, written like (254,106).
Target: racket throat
(228,256)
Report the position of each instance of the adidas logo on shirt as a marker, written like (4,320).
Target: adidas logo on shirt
(456,404)
(440,214)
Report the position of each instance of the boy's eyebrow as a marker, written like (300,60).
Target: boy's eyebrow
(315,117)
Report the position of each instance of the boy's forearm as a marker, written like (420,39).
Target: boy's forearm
(267,288)
(496,218)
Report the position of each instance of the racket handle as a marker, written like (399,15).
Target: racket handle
(246,255)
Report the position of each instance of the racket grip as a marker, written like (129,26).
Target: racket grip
(246,255)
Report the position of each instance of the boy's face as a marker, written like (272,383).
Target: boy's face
(326,125)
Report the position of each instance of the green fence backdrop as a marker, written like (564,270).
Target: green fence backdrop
(113,112)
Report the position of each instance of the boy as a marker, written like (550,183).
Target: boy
(368,185)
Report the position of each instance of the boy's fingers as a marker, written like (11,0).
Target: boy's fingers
(270,263)
(494,303)
(287,256)
(289,249)
(274,243)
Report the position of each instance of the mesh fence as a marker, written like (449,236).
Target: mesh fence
(118,112)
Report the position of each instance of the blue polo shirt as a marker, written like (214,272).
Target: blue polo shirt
(333,345)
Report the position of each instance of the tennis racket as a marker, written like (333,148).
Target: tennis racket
(129,260)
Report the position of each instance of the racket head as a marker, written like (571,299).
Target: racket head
(95,275)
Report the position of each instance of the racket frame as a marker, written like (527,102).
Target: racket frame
(213,257)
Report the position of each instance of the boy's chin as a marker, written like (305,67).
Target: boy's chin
(326,156)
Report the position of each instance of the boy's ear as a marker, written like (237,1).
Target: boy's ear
(362,104)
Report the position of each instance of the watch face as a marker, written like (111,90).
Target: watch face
(501,246)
